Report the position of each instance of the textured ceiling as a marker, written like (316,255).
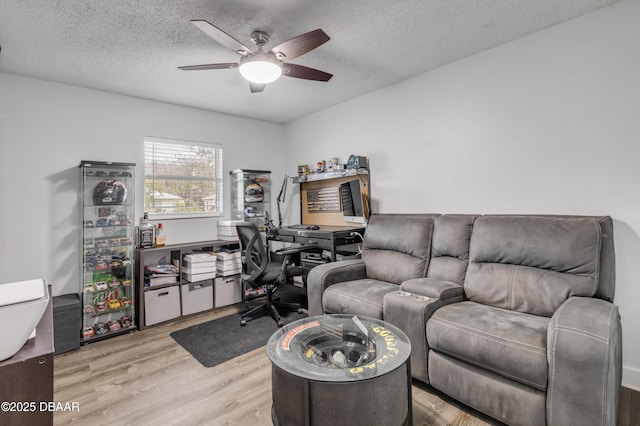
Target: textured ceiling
(133,47)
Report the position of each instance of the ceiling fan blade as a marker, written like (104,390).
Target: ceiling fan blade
(221,37)
(301,44)
(256,87)
(300,71)
(209,66)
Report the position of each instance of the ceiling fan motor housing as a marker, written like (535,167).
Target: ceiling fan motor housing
(260,67)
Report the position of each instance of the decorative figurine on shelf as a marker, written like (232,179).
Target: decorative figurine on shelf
(321,166)
(303,170)
(334,164)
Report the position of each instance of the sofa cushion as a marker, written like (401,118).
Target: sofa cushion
(532,264)
(509,343)
(396,246)
(450,247)
(510,402)
(358,297)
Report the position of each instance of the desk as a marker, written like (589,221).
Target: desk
(326,238)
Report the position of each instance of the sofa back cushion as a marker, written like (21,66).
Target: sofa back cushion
(532,264)
(396,246)
(450,247)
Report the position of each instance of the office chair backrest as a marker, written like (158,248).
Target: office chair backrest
(254,255)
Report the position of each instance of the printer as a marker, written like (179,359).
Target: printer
(22,305)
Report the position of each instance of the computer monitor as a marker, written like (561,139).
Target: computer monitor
(353,204)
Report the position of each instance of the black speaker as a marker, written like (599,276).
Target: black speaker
(67,323)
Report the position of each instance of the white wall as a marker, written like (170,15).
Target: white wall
(546,124)
(46,129)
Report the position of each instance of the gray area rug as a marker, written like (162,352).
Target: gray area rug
(220,340)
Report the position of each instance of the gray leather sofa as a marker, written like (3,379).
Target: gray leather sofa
(509,314)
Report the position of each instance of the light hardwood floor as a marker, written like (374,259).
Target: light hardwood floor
(146,378)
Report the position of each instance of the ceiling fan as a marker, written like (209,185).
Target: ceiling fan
(260,67)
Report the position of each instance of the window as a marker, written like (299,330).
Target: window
(182,179)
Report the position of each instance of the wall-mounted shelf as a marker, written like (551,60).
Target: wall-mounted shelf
(329,175)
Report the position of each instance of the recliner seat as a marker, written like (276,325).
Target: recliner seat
(396,248)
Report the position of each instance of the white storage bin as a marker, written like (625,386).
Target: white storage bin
(197,297)
(228,290)
(161,305)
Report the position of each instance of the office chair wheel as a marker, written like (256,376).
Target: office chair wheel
(301,311)
(243,322)
(280,324)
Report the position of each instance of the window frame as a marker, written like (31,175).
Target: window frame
(218,179)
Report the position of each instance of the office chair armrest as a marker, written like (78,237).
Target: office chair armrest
(286,253)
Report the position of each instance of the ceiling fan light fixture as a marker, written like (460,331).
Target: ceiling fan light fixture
(260,68)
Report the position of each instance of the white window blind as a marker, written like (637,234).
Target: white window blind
(182,178)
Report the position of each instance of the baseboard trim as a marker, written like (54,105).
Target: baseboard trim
(631,378)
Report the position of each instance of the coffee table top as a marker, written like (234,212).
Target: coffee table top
(338,348)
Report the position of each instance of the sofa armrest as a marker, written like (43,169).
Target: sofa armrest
(584,350)
(434,288)
(323,276)
(411,307)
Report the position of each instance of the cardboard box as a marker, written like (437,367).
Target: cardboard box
(224,256)
(228,265)
(227,229)
(198,277)
(198,268)
(194,258)
(198,263)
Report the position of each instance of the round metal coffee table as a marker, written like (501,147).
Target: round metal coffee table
(340,369)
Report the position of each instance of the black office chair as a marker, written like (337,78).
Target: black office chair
(258,272)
